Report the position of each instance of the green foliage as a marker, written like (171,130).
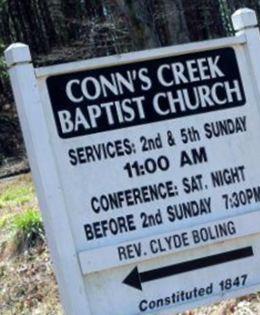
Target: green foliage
(19,218)
(15,196)
(2,2)
(27,228)
(3,73)
(4,221)
(21,226)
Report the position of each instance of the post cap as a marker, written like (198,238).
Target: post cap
(244,18)
(17,53)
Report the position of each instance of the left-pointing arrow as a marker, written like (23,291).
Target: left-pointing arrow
(135,278)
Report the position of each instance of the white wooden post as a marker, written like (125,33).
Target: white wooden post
(42,162)
(245,23)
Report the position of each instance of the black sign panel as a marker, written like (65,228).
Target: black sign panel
(138,93)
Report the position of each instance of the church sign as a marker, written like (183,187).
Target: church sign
(147,171)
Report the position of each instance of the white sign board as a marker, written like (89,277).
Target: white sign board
(147,167)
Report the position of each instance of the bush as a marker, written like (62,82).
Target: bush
(28,230)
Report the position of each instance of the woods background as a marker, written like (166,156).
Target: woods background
(66,30)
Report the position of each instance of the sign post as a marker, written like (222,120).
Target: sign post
(245,23)
(46,179)
(147,171)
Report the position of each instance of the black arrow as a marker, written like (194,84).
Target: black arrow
(135,278)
